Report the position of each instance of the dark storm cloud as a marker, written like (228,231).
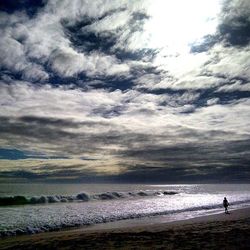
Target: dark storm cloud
(30,129)
(33,130)
(144,174)
(31,7)
(235,26)
(206,174)
(196,154)
(238,35)
(19,174)
(49,130)
(42,175)
(232,32)
(181,154)
(233,29)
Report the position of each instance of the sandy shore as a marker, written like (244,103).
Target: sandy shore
(220,231)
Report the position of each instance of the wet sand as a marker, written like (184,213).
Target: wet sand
(220,231)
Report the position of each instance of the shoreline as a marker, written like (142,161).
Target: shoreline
(230,231)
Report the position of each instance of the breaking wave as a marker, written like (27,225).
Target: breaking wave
(104,219)
(24,200)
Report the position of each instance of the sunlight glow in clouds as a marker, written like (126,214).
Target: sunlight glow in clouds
(174,25)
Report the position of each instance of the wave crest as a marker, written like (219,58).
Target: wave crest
(24,200)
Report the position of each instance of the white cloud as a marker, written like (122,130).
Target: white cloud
(13,50)
(236,86)
(230,62)
(109,23)
(67,62)
(43,39)
(212,101)
(23,99)
(12,54)
(232,118)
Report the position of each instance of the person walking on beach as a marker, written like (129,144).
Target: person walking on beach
(225,204)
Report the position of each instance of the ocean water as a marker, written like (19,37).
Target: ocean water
(34,208)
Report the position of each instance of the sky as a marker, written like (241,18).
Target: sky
(125,91)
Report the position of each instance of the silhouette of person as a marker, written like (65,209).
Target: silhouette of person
(225,204)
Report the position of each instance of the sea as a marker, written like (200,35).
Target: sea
(40,207)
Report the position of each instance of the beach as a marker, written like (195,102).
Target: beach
(218,231)
(124,124)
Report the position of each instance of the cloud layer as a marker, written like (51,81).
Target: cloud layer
(121,91)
